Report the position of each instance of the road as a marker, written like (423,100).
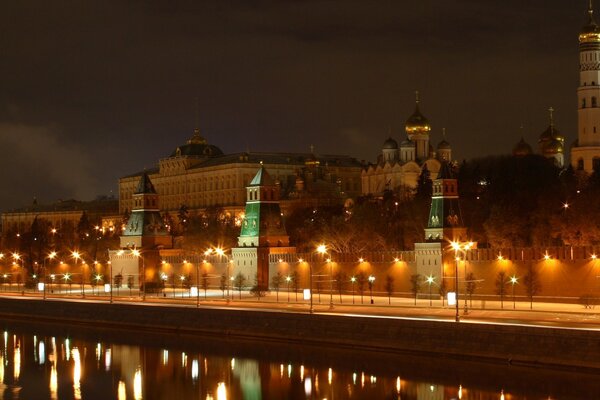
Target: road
(555,315)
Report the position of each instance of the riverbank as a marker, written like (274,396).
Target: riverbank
(490,343)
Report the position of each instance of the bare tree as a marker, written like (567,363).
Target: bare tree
(238,282)
(389,287)
(295,283)
(471,286)
(340,283)
(204,282)
(501,282)
(276,282)
(223,284)
(415,286)
(257,290)
(532,284)
(361,281)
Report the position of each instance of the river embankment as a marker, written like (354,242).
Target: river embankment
(491,343)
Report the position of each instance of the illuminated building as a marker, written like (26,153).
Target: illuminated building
(585,153)
(398,167)
(199,175)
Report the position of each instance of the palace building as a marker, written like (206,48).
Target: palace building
(199,175)
(398,167)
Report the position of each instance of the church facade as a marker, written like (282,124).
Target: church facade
(398,167)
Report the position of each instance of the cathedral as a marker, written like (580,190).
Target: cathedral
(398,167)
(551,144)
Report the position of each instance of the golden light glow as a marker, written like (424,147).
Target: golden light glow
(546,256)
(430,279)
(52,255)
(121,391)
(16,256)
(321,249)
(220,251)
(76,373)
(330,376)
(17,363)
(361,260)
(398,385)
(76,255)
(135,252)
(513,279)
(137,385)
(594,256)
(53,383)
(500,258)
(396,259)
(221,391)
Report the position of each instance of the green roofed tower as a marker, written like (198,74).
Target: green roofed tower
(145,227)
(263,233)
(445,218)
(263,223)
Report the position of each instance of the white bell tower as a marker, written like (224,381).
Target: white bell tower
(585,154)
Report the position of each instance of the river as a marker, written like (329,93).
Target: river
(61,362)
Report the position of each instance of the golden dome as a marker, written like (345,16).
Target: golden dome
(417,123)
(553,147)
(522,149)
(591,31)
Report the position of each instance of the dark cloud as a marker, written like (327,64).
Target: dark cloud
(116,80)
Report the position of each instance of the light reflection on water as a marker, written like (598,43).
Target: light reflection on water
(47,367)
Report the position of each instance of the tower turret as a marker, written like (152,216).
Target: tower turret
(445,218)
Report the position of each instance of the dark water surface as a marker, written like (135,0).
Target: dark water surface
(60,362)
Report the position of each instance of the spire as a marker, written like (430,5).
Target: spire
(444,133)
(551,111)
(197,137)
(417,97)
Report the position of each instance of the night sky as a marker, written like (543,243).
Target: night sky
(94,90)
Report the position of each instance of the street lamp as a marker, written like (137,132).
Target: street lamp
(322,250)
(430,280)
(462,247)
(17,258)
(353,280)
(138,254)
(513,281)
(77,256)
(371,280)
(221,253)
(288,279)
(51,257)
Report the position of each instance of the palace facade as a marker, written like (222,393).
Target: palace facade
(199,175)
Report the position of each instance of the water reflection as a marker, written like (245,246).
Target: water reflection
(89,370)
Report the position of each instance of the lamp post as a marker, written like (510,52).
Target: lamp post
(353,280)
(110,280)
(221,253)
(430,280)
(513,281)
(198,284)
(138,254)
(371,280)
(288,279)
(462,248)
(77,256)
(17,258)
(51,257)
(322,249)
